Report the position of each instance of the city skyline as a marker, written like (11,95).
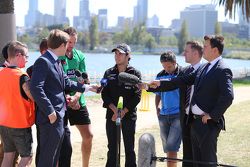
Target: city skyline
(165,11)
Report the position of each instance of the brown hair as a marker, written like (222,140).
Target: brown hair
(43,45)
(216,41)
(71,31)
(56,38)
(16,47)
(195,45)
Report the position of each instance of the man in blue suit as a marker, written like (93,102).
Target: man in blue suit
(47,86)
(213,94)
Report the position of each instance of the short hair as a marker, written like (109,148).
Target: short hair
(43,45)
(5,51)
(195,45)
(216,41)
(56,38)
(16,47)
(168,56)
(71,31)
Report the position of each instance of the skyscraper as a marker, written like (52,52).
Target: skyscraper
(102,19)
(60,12)
(82,21)
(31,19)
(141,12)
(200,19)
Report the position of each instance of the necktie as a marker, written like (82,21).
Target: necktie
(204,72)
(188,91)
(59,68)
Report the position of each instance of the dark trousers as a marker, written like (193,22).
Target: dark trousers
(186,143)
(204,141)
(38,145)
(66,149)
(51,136)
(128,133)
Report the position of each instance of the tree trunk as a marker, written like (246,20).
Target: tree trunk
(8,24)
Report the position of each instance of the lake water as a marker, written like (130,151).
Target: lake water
(149,65)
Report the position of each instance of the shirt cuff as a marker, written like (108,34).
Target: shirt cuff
(87,88)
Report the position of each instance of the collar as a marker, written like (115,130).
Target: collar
(55,57)
(197,65)
(6,63)
(213,62)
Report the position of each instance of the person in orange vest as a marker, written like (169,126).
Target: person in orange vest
(6,64)
(17,107)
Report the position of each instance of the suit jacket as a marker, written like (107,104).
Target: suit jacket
(213,94)
(47,86)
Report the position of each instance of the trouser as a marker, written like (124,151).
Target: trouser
(66,149)
(128,133)
(186,143)
(204,141)
(51,137)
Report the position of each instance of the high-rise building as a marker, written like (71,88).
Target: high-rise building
(102,19)
(200,19)
(82,21)
(141,12)
(31,19)
(60,12)
(153,21)
(124,22)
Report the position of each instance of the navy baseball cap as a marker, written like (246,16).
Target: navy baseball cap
(123,48)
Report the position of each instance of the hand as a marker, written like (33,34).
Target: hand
(74,100)
(75,106)
(68,98)
(52,117)
(205,118)
(158,110)
(114,117)
(142,86)
(154,84)
(94,88)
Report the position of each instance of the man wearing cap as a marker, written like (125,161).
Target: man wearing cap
(131,97)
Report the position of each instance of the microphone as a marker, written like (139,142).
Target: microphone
(119,107)
(85,78)
(127,78)
(103,83)
(82,77)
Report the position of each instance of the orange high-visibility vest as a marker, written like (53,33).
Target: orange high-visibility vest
(15,111)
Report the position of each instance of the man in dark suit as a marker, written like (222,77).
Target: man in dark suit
(213,94)
(48,84)
(193,53)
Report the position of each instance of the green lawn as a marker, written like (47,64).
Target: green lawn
(233,148)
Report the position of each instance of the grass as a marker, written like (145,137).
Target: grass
(233,145)
(238,55)
(241,82)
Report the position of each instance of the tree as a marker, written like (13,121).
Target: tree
(183,37)
(217,29)
(8,26)
(232,5)
(150,42)
(93,33)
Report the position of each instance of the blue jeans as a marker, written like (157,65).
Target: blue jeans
(170,130)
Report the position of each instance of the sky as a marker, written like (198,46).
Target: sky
(166,10)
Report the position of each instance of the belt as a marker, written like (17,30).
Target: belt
(197,116)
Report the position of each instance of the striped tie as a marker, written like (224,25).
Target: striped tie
(188,91)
